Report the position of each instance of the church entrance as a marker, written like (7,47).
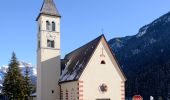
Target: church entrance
(104,99)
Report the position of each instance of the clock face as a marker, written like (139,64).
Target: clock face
(50,36)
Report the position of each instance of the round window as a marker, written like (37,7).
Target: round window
(103,88)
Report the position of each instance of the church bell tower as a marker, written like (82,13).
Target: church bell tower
(48,52)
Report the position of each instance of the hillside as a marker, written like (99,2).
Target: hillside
(145,59)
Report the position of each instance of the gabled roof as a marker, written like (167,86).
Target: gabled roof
(49,8)
(75,62)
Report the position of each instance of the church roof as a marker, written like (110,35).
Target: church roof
(49,8)
(75,62)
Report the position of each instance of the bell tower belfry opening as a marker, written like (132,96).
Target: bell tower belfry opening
(48,52)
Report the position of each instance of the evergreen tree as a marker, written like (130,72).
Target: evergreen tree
(13,81)
(27,84)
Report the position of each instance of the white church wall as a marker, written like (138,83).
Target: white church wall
(69,91)
(97,74)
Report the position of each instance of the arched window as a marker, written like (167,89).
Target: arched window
(53,26)
(47,25)
(103,62)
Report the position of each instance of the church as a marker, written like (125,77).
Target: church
(90,72)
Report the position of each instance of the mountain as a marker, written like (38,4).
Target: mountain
(22,66)
(145,59)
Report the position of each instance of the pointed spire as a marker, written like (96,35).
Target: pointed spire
(49,8)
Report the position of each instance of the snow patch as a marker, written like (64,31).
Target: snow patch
(4,68)
(73,74)
(142,32)
(32,69)
(64,76)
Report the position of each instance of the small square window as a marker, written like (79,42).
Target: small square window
(52,91)
(50,43)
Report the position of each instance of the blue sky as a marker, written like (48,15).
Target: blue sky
(82,21)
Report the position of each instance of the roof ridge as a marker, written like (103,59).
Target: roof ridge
(85,44)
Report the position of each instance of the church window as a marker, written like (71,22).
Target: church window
(103,88)
(52,91)
(53,26)
(38,43)
(50,43)
(47,25)
(103,62)
(39,28)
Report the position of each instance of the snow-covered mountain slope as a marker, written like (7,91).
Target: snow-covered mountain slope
(22,65)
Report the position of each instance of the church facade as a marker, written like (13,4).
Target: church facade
(90,72)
